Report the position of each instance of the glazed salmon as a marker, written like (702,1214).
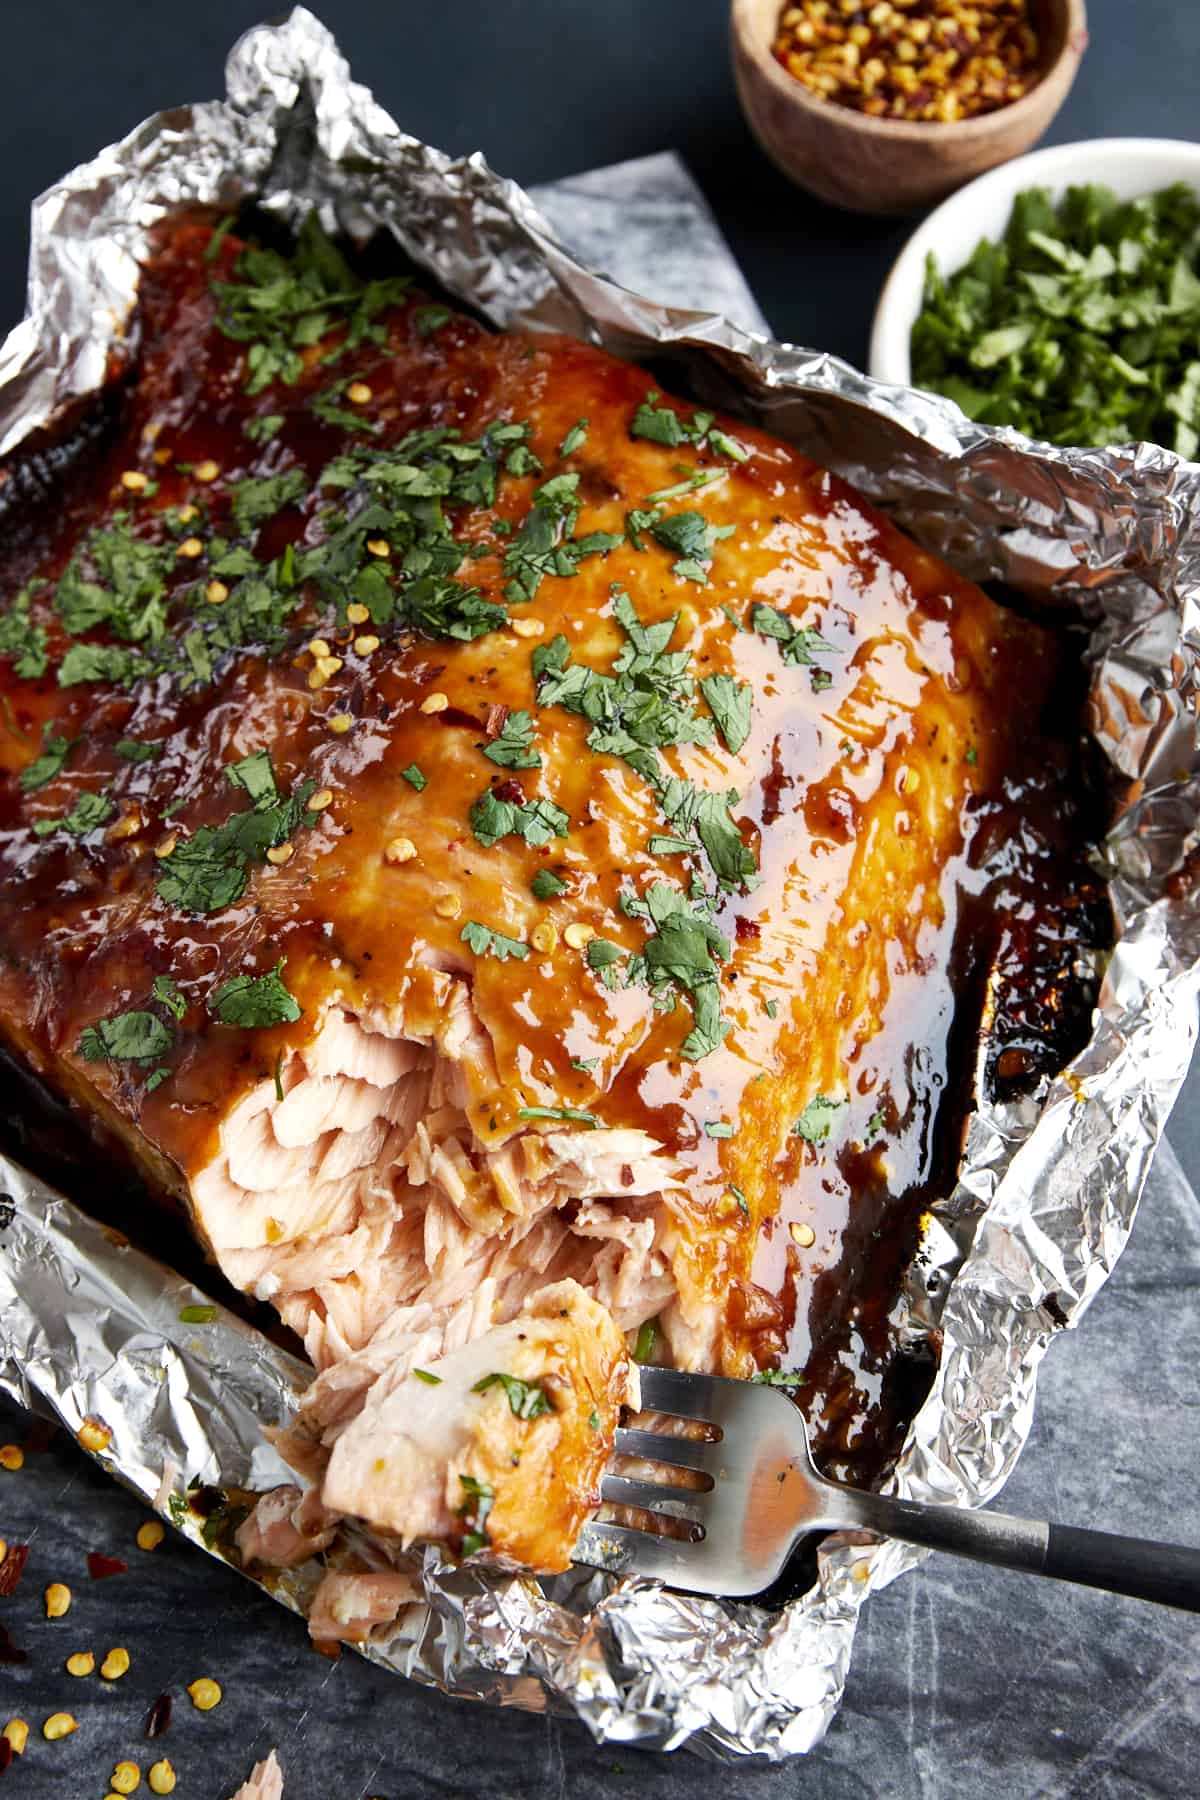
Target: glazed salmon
(490,838)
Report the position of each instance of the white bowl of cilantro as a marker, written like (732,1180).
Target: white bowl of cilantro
(1059,294)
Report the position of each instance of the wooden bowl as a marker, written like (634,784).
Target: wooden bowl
(891,165)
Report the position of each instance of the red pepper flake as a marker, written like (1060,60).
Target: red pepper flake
(746,929)
(6,1754)
(12,1568)
(509,790)
(100,1567)
(159,1716)
(9,1652)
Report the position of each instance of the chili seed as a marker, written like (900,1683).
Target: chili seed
(58,1600)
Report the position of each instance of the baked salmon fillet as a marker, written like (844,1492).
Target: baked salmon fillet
(495,843)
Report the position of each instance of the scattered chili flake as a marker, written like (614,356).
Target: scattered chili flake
(12,1568)
(11,1653)
(6,1754)
(100,1566)
(159,1716)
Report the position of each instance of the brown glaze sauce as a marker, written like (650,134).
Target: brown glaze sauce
(916,822)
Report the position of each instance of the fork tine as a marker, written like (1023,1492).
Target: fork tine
(687,1396)
(624,1551)
(675,1503)
(682,1453)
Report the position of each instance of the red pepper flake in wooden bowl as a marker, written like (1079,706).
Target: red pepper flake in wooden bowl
(101,1567)
(928,61)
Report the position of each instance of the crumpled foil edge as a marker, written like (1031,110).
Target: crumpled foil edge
(90,1327)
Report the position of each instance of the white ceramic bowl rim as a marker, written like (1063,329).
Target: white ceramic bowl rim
(1130,166)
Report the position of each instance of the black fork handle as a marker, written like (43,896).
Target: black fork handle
(1166,1573)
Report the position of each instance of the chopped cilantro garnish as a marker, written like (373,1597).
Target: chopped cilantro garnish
(443,608)
(662,425)
(209,869)
(682,954)
(20,638)
(718,1128)
(637,520)
(512,747)
(593,1420)
(971,755)
(601,954)
(263,496)
(117,580)
(255,774)
(564,1114)
(691,537)
(797,643)
(537,821)
(424,1375)
(262,430)
(474,1511)
(873,1127)
(280,305)
(779,1378)
(197,1315)
(707,814)
(328,408)
(696,478)
(88,812)
(163,990)
(724,445)
(414,777)
(429,319)
(645,705)
(546,885)
(574,438)
(251,1001)
(770,1007)
(139,1037)
(643,1348)
(816,1121)
(544,545)
(134,750)
(45,767)
(732,616)
(730,702)
(486,942)
(526,1399)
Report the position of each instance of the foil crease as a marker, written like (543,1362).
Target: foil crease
(89,1326)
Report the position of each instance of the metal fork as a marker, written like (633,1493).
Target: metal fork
(748,1490)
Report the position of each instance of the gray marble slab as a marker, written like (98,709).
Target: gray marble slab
(967,1684)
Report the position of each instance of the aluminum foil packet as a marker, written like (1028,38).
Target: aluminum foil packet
(90,1327)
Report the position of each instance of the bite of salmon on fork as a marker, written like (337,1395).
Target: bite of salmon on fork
(726,1488)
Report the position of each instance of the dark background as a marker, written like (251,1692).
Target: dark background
(547,88)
